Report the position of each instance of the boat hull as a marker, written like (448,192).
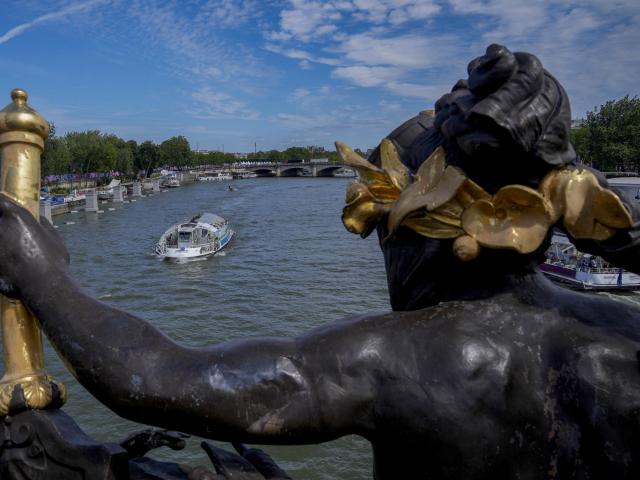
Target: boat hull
(591,281)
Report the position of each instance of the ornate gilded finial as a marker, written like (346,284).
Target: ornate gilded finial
(19,116)
(22,135)
(439,201)
(19,96)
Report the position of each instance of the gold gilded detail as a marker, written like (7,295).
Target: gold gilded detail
(37,390)
(439,201)
(517,217)
(22,134)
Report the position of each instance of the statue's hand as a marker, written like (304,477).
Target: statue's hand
(29,251)
(139,443)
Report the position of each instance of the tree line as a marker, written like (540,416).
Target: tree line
(609,137)
(94,151)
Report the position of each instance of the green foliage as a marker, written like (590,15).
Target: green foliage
(213,158)
(90,151)
(609,137)
(147,157)
(175,152)
(295,154)
(55,157)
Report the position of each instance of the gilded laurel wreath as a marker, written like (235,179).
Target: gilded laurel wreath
(439,201)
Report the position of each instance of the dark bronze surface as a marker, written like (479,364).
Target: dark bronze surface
(483,370)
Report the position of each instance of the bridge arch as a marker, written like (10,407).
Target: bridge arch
(264,172)
(326,170)
(292,171)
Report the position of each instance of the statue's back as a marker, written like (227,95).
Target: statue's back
(506,388)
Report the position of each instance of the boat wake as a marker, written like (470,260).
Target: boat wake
(632,297)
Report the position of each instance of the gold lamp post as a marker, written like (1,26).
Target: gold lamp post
(22,135)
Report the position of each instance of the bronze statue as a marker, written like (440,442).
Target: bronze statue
(483,369)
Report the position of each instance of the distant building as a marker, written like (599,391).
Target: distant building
(577,123)
(315,149)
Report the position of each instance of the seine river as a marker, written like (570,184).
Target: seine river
(291,267)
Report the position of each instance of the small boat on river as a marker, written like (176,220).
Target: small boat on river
(106,192)
(345,172)
(201,236)
(172,182)
(565,264)
(215,177)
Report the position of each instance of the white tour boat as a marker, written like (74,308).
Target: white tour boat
(215,177)
(203,235)
(345,172)
(172,182)
(247,175)
(565,264)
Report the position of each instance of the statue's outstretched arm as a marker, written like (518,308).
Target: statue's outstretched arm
(262,390)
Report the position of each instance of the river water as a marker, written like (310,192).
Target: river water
(291,267)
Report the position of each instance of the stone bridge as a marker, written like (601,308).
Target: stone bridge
(267,169)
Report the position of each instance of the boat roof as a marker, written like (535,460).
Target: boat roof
(210,218)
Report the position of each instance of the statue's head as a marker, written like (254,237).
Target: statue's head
(475,187)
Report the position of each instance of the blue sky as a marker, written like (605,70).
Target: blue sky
(228,73)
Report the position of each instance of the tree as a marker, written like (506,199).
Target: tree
(175,151)
(90,152)
(148,157)
(55,158)
(610,136)
(296,153)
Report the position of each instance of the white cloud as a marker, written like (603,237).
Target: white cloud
(312,20)
(426,92)
(299,93)
(408,51)
(69,10)
(308,20)
(514,16)
(300,55)
(365,76)
(227,13)
(375,57)
(218,105)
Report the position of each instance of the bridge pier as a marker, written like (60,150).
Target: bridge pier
(45,211)
(117,194)
(91,201)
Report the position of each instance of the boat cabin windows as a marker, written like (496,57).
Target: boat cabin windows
(184,238)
